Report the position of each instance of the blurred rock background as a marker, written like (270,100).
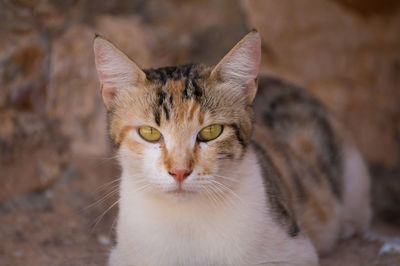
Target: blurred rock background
(52,122)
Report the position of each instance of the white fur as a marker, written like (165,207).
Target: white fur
(356,213)
(324,235)
(154,230)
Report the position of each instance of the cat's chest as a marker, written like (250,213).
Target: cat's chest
(228,233)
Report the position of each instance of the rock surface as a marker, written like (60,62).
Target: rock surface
(32,150)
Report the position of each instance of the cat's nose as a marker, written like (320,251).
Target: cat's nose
(179,174)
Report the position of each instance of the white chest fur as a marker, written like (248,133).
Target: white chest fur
(237,231)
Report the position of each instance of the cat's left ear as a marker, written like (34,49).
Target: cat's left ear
(115,70)
(240,66)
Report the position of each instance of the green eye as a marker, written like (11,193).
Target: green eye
(149,133)
(210,132)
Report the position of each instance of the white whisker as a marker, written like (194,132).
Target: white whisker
(99,218)
(211,195)
(218,194)
(108,195)
(229,190)
(226,177)
(108,183)
(113,190)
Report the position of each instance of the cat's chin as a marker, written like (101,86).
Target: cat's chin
(180,194)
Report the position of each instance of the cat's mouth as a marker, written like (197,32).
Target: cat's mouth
(180,194)
(179,190)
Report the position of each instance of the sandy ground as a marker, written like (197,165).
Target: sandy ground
(57,226)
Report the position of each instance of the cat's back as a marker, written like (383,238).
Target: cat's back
(302,130)
(286,110)
(317,162)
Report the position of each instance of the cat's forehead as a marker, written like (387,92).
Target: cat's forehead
(185,81)
(177,91)
(182,72)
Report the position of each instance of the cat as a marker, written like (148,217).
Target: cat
(214,175)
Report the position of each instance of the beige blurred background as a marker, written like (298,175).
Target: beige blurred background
(56,162)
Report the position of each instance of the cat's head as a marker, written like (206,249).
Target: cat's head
(180,130)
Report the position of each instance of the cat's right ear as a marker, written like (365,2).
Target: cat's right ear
(240,66)
(115,70)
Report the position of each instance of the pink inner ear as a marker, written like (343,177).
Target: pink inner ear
(107,93)
(255,55)
(249,53)
(108,90)
(115,70)
(107,79)
(242,62)
(252,89)
(101,56)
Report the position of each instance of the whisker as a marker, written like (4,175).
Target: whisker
(97,202)
(226,200)
(211,196)
(218,195)
(108,183)
(216,190)
(226,188)
(226,177)
(99,218)
(143,188)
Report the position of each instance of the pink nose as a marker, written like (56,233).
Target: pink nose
(179,174)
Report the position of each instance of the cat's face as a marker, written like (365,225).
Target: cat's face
(165,127)
(180,130)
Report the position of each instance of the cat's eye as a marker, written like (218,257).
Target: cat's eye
(210,132)
(149,133)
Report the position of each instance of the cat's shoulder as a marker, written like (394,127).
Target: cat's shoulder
(276,96)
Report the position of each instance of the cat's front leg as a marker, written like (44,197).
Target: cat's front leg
(115,259)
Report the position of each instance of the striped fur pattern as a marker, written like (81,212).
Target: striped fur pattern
(311,153)
(281,183)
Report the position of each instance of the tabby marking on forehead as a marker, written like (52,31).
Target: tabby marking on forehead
(175,85)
